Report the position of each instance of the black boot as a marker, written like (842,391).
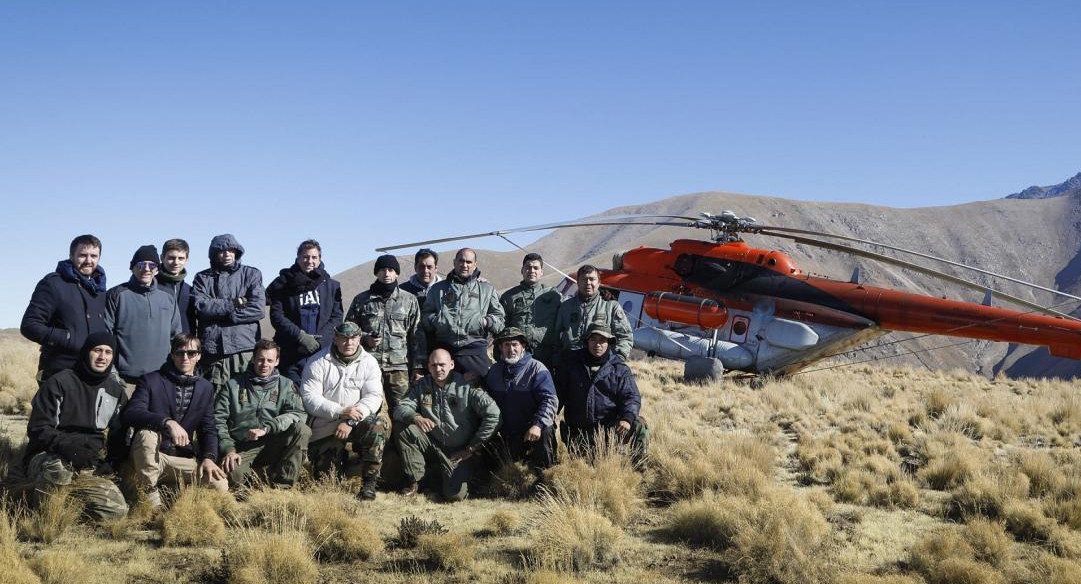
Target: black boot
(371,479)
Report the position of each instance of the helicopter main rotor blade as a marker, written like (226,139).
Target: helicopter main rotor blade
(916,268)
(595,222)
(918,254)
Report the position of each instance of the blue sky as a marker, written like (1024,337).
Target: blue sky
(363,124)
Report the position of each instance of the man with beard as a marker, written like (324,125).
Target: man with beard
(229,300)
(172,414)
(523,389)
(449,422)
(171,274)
(66,306)
(426,273)
(305,306)
(142,317)
(588,308)
(260,420)
(532,307)
(600,396)
(389,317)
(344,399)
(460,312)
(73,420)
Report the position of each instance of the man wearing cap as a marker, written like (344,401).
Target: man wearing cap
(523,389)
(261,423)
(459,314)
(73,421)
(589,307)
(449,422)
(66,306)
(344,399)
(426,273)
(175,437)
(388,317)
(305,306)
(532,307)
(599,394)
(171,274)
(229,301)
(142,317)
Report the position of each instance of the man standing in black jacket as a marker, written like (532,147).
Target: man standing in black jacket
(74,421)
(67,305)
(172,413)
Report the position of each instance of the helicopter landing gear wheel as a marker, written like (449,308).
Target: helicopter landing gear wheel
(702,369)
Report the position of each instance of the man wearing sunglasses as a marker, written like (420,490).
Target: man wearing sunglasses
(142,317)
(172,413)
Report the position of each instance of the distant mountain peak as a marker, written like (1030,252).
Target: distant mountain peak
(1069,187)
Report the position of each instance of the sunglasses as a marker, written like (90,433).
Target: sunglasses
(190,354)
(146,265)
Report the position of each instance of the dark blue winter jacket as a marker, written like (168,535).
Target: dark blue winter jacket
(525,394)
(601,399)
(154,401)
(64,309)
(290,295)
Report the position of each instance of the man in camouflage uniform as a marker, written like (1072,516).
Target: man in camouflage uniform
(388,317)
(449,422)
(532,307)
(261,422)
(74,430)
(587,308)
(459,314)
(344,399)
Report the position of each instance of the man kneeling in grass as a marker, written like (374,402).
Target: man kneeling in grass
(73,420)
(172,413)
(261,423)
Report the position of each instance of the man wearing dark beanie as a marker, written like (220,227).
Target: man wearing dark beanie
(388,318)
(143,317)
(74,418)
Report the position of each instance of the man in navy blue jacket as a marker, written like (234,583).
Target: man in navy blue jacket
(523,389)
(66,307)
(600,395)
(172,413)
(305,307)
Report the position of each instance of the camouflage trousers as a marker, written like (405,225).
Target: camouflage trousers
(101,498)
(368,440)
(417,450)
(395,386)
(276,458)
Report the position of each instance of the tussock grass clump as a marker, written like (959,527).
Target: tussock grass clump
(342,536)
(261,557)
(820,462)
(330,520)
(452,552)
(574,537)
(1043,473)
(710,521)
(943,460)
(513,481)
(1067,512)
(988,541)
(411,528)
(541,576)
(936,401)
(1027,523)
(784,543)
(898,494)
(193,520)
(1048,569)
(962,571)
(504,522)
(869,579)
(12,567)
(686,463)
(927,556)
(987,494)
(56,512)
(610,484)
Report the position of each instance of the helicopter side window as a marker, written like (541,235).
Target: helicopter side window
(714,273)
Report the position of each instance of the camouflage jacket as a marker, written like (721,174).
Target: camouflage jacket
(394,320)
(533,308)
(575,316)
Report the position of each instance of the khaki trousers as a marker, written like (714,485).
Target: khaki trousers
(153,467)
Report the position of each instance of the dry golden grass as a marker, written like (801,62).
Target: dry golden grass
(12,566)
(610,485)
(330,519)
(504,522)
(453,552)
(711,520)
(18,366)
(56,512)
(785,542)
(570,536)
(261,557)
(193,520)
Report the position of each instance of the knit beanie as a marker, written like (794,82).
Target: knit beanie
(146,253)
(387,261)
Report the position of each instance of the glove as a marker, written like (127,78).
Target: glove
(81,451)
(104,469)
(308,343)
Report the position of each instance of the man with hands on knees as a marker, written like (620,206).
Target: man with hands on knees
(261,423)
(172,414)
(343,396)
(449,422)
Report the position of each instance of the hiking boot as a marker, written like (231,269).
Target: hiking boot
(409,490)
(368,492)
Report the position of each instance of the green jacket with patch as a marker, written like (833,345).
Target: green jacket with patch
(533,309)
(459,314)
(242,405)
(575,316)
(394,319)
(464,416)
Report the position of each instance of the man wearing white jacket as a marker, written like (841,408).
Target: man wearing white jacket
(343,395)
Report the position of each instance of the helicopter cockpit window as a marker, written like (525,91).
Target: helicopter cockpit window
(685,265)
(714,273)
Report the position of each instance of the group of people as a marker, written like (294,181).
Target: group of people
(176,380)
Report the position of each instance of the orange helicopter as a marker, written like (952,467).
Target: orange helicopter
(724,305)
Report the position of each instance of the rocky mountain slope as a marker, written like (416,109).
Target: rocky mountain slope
(1036,239)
